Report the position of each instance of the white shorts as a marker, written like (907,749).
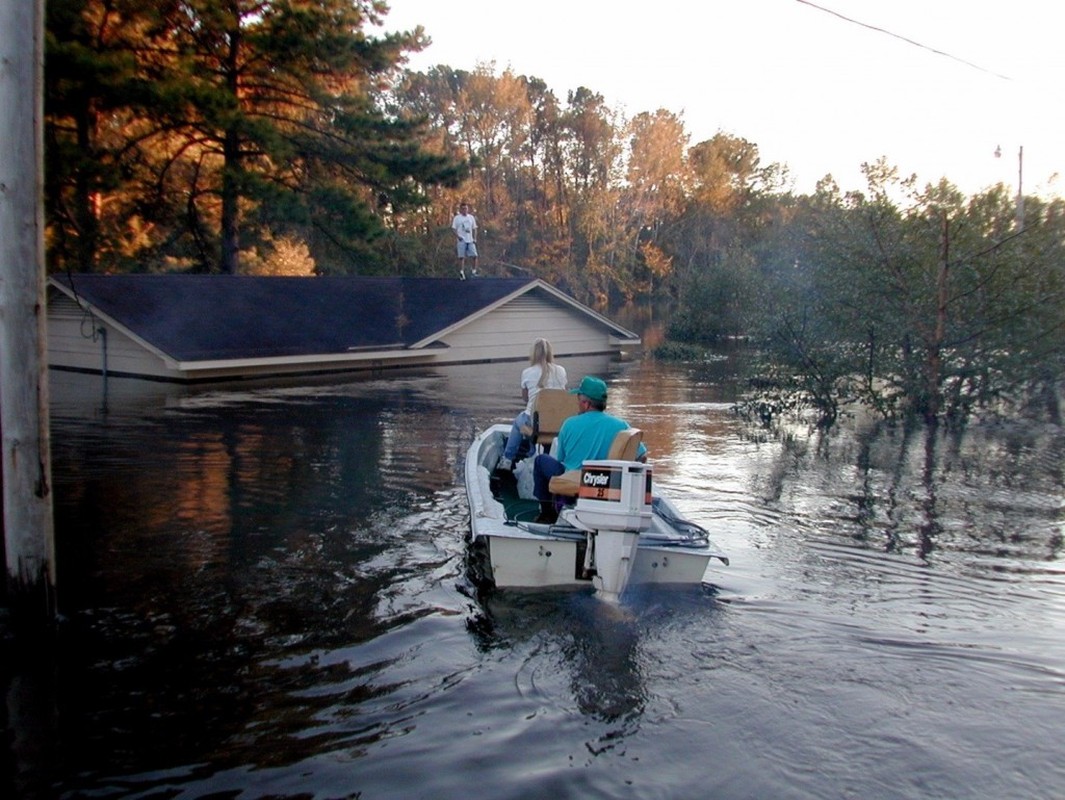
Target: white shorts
(467,249)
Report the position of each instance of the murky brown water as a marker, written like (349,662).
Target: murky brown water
(265,597)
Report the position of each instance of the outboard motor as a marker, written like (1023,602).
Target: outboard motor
(613,505)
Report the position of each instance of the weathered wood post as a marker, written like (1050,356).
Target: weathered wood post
(27,481)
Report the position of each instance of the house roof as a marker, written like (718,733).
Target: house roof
(216,317)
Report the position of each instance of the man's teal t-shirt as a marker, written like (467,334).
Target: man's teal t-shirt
(587,437)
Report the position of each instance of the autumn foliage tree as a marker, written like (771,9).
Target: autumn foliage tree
(228,121)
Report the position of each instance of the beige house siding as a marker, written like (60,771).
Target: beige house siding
(508,332)
(75,341)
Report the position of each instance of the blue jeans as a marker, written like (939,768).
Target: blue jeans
(514,440)
(545,467)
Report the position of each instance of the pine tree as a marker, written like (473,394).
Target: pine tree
(248,116)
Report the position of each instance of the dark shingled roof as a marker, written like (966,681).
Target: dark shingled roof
(219,317)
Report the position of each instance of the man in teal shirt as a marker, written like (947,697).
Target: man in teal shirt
(585,437)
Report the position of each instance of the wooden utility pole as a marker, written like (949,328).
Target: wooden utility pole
(27,476)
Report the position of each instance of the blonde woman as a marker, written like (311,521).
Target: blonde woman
(542,373)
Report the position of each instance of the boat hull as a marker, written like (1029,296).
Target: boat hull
(524,563)
(527,555)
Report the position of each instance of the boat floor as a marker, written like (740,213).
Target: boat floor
(505,489)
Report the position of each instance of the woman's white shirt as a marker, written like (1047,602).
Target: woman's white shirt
(530,380)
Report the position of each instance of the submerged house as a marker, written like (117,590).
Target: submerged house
(190,328)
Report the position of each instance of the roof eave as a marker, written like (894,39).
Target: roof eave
(316,359)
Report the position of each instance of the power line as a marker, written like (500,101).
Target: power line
(903,38)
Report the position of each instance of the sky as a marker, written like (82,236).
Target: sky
(940,87)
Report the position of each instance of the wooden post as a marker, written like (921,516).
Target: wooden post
(27,481)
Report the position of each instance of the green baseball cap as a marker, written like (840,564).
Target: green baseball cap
(591,387)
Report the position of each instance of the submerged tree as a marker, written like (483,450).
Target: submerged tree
(935,308)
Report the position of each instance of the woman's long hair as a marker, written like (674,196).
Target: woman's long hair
(542,354)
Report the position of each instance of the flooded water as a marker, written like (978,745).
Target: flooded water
(264,596)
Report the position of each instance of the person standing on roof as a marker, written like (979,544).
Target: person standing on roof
(542,373)
(465,227)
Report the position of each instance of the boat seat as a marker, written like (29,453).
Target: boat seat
(551,409)
(624,448)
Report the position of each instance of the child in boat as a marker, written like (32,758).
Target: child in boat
(542,373)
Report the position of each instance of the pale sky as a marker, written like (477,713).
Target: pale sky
(810,89)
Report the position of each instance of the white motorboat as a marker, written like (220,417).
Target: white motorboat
(617,534)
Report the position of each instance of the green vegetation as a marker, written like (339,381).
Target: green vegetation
(283,137)
(934,304)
